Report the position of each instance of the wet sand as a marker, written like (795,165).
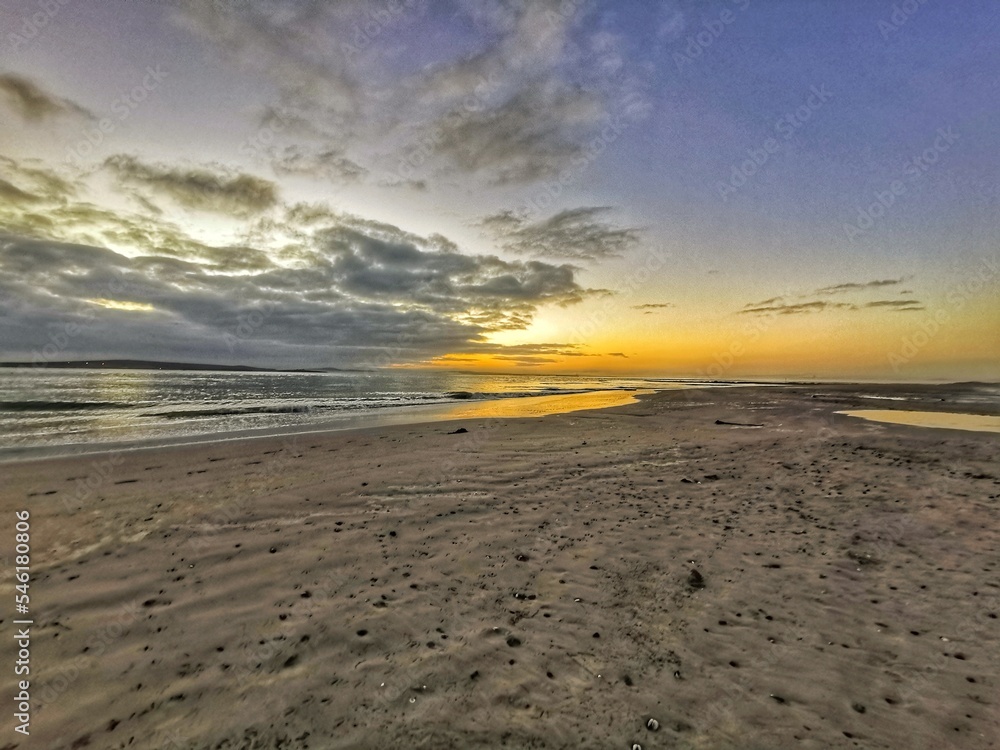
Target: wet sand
(819,581)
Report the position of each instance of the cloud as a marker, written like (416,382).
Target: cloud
(821,305)
(34,103)
(330,164)
(198,188)
(794,309)
(851,287)
(902,305)
(653,306)
(518,101)
(574,233)
(284,40)
(532,135)
(9,192)
(521,355)
(355,293)
(617,354)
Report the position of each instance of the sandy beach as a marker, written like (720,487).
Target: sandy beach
(812,581)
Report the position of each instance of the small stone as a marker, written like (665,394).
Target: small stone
(696,580)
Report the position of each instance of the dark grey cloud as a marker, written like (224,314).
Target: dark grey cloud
(650,306)
(34,103)
(200,188)
(578,233)
(357,293)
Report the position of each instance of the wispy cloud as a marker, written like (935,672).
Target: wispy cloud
(34,103)
(794,308)
(796,304)
(330,164)
(902,305)
(798,308)
(532,135)
(653,306)
(574,233)
(857,286)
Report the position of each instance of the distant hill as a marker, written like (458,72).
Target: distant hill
(140,364)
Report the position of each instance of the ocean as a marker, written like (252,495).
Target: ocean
(54,411)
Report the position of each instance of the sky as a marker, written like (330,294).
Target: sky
(726,189)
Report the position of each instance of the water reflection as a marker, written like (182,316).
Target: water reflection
(540,406)
(946,420)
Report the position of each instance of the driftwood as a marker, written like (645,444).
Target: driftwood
(738,424)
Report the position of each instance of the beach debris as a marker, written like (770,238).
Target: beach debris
(696,580)
(636,746)
(459,431)
(521,557)
(778,698)
(738,424)
(652,725)
(685,480)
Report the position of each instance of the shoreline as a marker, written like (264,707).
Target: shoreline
(511,407)
(530,581)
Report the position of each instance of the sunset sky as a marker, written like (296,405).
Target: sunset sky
(730,189)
